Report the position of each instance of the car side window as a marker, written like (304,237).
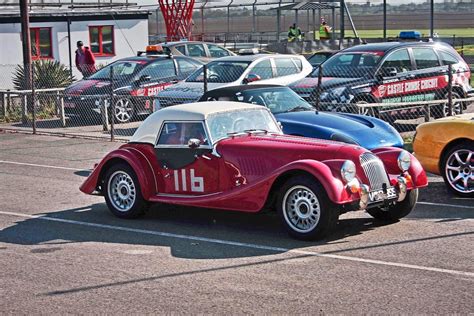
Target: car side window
(186,67)
(179,133)
(160,70)
(298,63)
(399,60)
(263,69)
(196,50)
(425,58)
(285,67)
(181,49)
(217,51)
(447,58)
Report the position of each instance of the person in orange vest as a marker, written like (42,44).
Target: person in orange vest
(324,31)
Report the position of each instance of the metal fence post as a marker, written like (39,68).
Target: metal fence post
(62,114)
(427,113)
(24,108)
(112,105)
(33,98)
(318,87)
(4,105)
(103,112)
(204,70)
(450,90)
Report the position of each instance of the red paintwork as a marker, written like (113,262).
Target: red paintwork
(408,87)
(255,163)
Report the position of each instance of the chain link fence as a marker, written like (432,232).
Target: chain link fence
(111,103)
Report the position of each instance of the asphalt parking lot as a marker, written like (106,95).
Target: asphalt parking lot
(63,252)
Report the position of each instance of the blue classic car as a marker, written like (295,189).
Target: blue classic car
(298,117)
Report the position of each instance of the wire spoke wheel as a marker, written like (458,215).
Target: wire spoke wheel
(459,170)
(122,191)
(123,110)
(301,209)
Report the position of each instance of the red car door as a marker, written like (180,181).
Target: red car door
(185,157)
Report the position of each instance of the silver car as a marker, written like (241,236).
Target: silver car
(236,70)
(204,52)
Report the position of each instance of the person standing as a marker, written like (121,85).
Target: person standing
(324,31)
(85,60)
(294,33)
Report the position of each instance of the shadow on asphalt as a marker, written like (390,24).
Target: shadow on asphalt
(260,228)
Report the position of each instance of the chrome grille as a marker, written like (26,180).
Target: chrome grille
(374,170)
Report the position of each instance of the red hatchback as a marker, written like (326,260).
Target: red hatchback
(233,156)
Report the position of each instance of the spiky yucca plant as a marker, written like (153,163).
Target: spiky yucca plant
(46,73)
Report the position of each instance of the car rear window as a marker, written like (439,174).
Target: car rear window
(425,58)
(447,58)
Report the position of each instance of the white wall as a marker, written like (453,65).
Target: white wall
(129,36)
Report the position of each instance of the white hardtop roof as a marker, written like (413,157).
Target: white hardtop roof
(199,111)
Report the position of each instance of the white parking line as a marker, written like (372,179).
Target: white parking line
(448,205)
(41,166)
(241,244)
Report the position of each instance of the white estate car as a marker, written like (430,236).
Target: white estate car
(237,70)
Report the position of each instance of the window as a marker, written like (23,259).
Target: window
(263,69)
(180,133)
(425,58)
(122,70)
(447,58)
(217,51)
(102,40)
(285,67)
(181,49)
(196,50)
(160,70)
(186,67)
(399,60)
(41,46)
(220,71)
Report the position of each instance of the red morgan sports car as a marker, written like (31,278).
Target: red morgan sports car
(233,156)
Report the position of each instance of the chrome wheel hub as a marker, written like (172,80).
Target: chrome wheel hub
(460,171)
(122,192)
(301,209)
(123,110)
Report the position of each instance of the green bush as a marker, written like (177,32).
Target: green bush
(46,73)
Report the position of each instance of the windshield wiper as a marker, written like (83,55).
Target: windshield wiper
(299,108)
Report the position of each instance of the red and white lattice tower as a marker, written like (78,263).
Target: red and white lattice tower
(178,15)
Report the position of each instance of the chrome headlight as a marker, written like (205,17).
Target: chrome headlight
(404,161)
(348,171)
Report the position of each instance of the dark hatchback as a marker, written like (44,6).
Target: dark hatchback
(391,72)
(134,80)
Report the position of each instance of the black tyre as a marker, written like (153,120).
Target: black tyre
(443,109)
(305,209)
(457,169)
(397,211)
(124,109)
(123,193)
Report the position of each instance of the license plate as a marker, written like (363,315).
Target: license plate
(69,105)
(379,195)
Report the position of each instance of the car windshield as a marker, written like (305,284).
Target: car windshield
(225,124)
(220,72)
(349,65)
(122,70)
(278,100)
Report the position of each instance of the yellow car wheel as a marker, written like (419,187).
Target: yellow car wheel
(457,168)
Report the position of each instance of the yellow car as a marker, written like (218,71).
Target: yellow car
(445,147)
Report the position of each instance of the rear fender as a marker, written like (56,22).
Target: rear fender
(135,159)
(389,157)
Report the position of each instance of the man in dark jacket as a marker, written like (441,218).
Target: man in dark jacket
(85,60)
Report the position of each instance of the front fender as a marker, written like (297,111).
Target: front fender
(389,157)
(137,161)
(325,175)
